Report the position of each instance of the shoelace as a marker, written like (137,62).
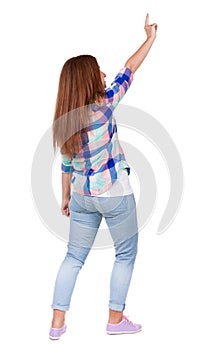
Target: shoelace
(127,319)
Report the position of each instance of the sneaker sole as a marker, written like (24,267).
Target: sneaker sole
(54,338)
(124,332)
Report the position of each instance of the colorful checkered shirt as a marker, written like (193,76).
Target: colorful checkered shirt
(97,166)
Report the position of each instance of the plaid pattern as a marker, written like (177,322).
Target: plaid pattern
(97,166)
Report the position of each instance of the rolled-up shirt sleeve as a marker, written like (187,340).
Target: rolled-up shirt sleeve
(119,86)
(66,164)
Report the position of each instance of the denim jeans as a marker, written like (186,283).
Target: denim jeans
(86,214)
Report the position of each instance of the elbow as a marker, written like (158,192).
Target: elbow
(130,66)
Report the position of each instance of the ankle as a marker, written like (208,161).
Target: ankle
(115,316)
(58,320)
(57,324)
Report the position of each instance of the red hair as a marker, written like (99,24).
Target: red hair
(79,85)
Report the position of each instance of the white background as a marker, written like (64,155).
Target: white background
(173,288)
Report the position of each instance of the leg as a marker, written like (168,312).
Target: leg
(84,225)
(122,222)
(65,281)
(121,277)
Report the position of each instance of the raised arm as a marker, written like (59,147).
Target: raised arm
(138,57)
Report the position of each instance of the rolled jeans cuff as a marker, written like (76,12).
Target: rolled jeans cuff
(60,307)
(116,307)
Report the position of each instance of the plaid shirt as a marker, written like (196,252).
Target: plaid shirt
(98,165)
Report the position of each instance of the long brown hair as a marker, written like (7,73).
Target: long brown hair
(79,85)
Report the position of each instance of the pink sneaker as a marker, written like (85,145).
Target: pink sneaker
(124,327)
(55,333)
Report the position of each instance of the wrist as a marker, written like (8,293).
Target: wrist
(66,198)
(151,38)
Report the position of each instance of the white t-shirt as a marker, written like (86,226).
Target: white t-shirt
(121,186)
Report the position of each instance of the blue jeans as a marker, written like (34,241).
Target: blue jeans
(86,214)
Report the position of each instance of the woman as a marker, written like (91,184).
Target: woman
(94,163)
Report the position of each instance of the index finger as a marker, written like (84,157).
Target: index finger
(147,20)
